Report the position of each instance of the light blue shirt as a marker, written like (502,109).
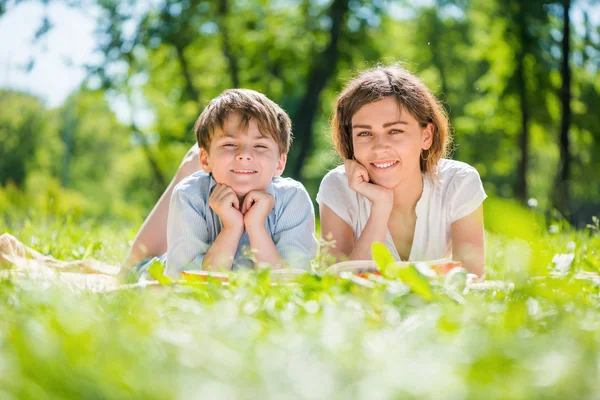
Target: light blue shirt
(193,226)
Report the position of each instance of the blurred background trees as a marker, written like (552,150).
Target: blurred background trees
(519,79)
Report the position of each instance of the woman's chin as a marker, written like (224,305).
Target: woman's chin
(384,183)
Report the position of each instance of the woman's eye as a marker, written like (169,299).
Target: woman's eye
(393,131)
(363,134)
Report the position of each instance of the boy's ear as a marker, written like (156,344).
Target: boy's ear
(204,158)
(428,136)
(280,165)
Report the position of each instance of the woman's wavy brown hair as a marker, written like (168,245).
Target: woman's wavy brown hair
(411,94)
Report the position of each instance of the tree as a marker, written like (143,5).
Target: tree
(23,119)
(562,193)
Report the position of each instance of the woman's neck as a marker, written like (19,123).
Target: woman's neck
(407,194)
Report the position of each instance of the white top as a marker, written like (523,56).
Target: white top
(457,193)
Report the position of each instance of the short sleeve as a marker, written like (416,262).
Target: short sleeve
(294,233)
(187,234)
(335,193)
(466,193)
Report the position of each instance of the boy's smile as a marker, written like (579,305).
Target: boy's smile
(242,157)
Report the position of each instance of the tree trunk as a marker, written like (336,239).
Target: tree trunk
(232,62)
(562,194)
(190,92)
(68,140)
(521,189)
(156,172)
(323,67)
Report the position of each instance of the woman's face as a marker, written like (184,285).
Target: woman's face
(388,142)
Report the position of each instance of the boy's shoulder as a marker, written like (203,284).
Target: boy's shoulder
(287,186)
(195,185)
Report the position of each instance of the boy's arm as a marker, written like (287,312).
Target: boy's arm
(263,246)
(256,208)
(188,242)
(294,235)
(225,203)
(222,252)
(187,233)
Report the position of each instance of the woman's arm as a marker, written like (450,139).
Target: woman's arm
(334,227)
(468,244)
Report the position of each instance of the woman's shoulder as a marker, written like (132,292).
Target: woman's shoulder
(452,173)
(335,178)
(334,189)
(447,168)
(461,187)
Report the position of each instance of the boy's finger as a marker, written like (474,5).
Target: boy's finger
(218,191)
(248,201)
(231,198)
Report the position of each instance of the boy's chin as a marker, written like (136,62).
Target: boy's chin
(242,191)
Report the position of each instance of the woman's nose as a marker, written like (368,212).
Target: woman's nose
(380,142)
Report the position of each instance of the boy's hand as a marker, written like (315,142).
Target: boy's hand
(360,182)
(257,206)
(226,205)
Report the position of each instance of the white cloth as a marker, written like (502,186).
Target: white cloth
(457,193)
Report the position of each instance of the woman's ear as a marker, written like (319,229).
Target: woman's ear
(204,161)
(280,165)
(427,136)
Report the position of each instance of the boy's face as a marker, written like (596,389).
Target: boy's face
(244,160)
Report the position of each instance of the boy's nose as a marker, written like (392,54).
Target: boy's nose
(243,155)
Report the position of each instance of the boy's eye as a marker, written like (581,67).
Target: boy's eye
(261,146)
(229,145)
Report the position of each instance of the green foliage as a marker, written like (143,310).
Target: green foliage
(156,270)
(251,339)
(494,64)
(22,124)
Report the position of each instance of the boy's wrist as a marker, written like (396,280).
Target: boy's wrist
(255,230)
(233,231)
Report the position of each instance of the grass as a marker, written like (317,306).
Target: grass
(321,338)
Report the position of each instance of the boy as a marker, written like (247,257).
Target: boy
(239,212)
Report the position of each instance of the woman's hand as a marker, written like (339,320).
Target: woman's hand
(360,182)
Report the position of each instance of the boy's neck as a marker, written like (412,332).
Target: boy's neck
(407,195)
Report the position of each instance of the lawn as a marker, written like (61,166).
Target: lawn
(320,338)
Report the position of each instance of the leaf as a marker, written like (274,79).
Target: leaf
(411,277)
(156,270)
(382,257)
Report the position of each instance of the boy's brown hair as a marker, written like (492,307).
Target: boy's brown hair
(271,119)
(410,93)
